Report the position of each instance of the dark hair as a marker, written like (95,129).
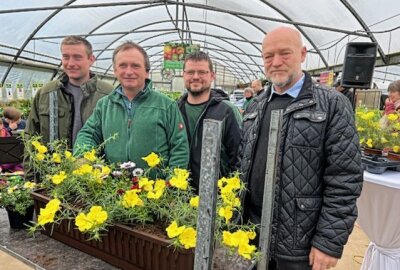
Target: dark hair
(394,86)
(199,56)
(75,40)
(12,113)
(127,45)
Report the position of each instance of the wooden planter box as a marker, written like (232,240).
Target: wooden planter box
(122,247)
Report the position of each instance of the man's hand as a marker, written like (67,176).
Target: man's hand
(320,260)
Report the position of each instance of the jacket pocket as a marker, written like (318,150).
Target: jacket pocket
(308,129)
(306,218)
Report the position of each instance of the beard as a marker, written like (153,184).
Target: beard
(282,84)
(198,91)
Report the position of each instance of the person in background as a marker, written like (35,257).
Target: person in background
(12,119)
(11,168)
(257,87)
(392,103)
(145,120)
(77,91)
(199,103)
(319,174)
(345,91)
(248,97)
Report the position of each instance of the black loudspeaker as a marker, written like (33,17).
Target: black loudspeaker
(358,65)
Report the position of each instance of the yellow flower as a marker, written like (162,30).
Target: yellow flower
(158,190)
(90,156)
(11,190)
(97,215)
(152,159)
(131,199)
(396,149)
(105,171)
(69,156)
(39,147)
(246,251)
(40,156)
(392,117)
(194,202)
(227,239)
(56,158)
(226,212)
(53,205)
(188,238)
(84,169)
(46,216)
(83,223)
(146,184)
(369,143)
(383,140)
(395,134)
(29,185)
(179,179)
(173,230)
(58,178)
(359,129)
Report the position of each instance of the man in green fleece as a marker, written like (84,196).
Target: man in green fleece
(145,120)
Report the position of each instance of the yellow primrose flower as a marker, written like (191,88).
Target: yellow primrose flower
(173,230)
(396,149)
(40,156)
(97,215)
(39,147)
(90,156)
(69,156)
(131,199)
(45,216)
(226,212)
(369,143)
(56,158)
(83,223)
(152,159)
(58,178)
(188,238)
(29,185)
(179,182)
(105,171)
(146,184)
(194,202)
(360,129)
(246,251)
(392,117)
(395,134)
(228,240)
(158,190)
(11,190)
(84,169)
(53,205)
(181,173)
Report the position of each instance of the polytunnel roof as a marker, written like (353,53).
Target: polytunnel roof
(231,31)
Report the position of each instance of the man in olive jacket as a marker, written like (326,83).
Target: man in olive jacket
(76,92)
(145,120)
(319,174)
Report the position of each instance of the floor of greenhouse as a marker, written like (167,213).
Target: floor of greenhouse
(19,252)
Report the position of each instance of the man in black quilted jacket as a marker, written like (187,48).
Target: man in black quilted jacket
(319,173)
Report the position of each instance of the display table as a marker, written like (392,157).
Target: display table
(379,217)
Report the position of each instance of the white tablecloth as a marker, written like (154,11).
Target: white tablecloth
(379,217)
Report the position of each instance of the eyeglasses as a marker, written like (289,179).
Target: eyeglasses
(201,73)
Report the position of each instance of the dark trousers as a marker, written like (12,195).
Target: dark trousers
(278,264)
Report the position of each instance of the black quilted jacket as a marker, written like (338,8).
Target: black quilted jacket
(319,177)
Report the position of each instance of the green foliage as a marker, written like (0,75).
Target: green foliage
(24,105)
(175,95)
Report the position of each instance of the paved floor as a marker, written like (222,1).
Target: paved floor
(43,252)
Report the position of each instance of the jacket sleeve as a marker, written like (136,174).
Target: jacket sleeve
(342,179)
(232,136)
(32,124)
(90,136)
(177,138)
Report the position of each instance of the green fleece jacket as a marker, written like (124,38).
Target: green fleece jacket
(154,125)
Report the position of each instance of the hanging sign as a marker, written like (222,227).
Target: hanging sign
(20,91)
(1,92)
(175,53)
(9,92)
(326,78)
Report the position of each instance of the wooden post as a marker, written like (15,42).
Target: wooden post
(269,187)
(210,157)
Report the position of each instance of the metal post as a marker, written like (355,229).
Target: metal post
(269,187)
(210,157)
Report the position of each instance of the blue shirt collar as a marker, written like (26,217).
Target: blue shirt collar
(292,91)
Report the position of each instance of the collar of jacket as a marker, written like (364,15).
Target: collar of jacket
(148,86)
(216,96)
(87,87)
(304,99)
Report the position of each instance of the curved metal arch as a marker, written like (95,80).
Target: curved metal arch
(366,28)
(174,32)
(153,23)
(222,60)
(31,36)
(300,30)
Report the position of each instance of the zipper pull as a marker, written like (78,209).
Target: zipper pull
(129,123)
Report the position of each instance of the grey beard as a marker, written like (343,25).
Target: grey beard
(285,83)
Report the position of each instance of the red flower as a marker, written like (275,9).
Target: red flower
(120,191)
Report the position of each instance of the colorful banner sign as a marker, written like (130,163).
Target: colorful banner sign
(326,78)
(175,53)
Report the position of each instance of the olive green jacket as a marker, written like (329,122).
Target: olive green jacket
(39,118)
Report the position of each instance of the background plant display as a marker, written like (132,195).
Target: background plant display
(23,105)
(15,194)
(93,195)
(378,131)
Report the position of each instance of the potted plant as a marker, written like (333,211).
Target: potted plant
(393,127)
(15,198)
(103,209)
